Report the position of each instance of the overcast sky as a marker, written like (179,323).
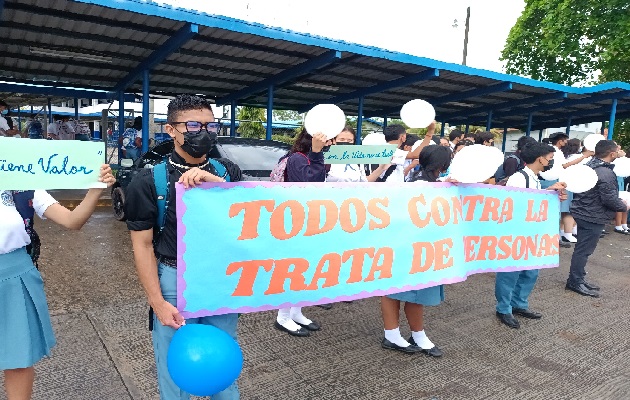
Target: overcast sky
(415,27)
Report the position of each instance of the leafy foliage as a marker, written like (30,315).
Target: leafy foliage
(251,119)
(573,42)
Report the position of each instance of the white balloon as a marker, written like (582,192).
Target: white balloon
(417,113)
(591,141)
(325,118)
(579,178)
(622,167)
(476,163)
(554,173)
(625,196)
(374,138)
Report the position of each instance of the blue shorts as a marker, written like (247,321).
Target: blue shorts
(26,334)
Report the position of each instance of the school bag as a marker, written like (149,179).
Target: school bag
(279,172)
(23,200)
(500,177)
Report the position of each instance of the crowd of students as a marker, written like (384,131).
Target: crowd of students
(152,221)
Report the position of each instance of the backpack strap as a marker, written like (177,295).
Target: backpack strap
(220,169)
(160,178)
(389,171)
(526,175)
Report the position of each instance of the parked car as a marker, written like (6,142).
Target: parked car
(255,157)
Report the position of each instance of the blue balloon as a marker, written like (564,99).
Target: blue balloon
(203,360)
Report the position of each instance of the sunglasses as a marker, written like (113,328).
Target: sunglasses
(195,127)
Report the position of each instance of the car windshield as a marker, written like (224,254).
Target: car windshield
(253,157)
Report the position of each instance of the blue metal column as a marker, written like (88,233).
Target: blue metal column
(50,117)
(504,139)
(442,129)
(145,111)
(489,122)
(121,123)
(467,128)
(19,119)
(76,109)
(384,122)
(358,139)
(568,130)
(611,123)
(540,136)
(529,124)
(233,118)
(269,112)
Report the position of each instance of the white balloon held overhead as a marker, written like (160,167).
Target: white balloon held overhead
(591,141)
(374,138)
(622,167)
(554,173)
(579,178)
(325,118)
(417,113)
(476,163)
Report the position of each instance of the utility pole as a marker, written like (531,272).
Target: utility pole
(466,35)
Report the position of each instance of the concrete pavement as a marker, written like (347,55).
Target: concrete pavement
(579,350)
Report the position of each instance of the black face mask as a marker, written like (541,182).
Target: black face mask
(343,143)
(198,145)
(548,166)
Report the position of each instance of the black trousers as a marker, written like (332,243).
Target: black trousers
(588,236)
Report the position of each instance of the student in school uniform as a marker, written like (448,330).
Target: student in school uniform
(26,334)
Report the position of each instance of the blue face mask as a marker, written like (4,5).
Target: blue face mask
(5,112)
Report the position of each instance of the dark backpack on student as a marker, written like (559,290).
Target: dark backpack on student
(389,171)
(501,177)
(23,200)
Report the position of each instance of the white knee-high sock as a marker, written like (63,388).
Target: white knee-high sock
(284,319)
(394,336)
(422,340)
(297,316)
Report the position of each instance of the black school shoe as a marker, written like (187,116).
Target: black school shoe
(300,332)
(433,351)
(565,244)
(509,320)
(386,344)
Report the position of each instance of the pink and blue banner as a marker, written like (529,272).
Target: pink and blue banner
(254,246)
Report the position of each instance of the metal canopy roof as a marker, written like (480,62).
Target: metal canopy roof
(106,44)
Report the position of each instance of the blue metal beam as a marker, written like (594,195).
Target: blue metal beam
(76,108)
(509,105)
(121,122)
(233,119)
(442,127)
(269,112)
(568,103)
(145,111)
(467,128)
(540,135)
(50,117)
(459,96)
(568,130)
(504,139)
(358,137)
(184,34)
(611,123)
(284,76)
(19,117)
(384,123)
(529,124)
(61,92)
(381,87)
(489,121)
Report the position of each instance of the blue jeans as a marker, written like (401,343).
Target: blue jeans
(162,336)
(512,289)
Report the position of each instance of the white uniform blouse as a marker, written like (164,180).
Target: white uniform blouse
(13,235)
(346,173)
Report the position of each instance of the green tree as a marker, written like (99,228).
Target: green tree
(286,115)
(251,122)
(572,42)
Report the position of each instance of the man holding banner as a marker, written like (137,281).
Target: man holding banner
(512,289)
(152,220)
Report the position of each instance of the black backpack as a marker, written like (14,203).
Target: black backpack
(500,176)
(23,200)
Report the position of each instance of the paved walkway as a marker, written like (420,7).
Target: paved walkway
(579,350)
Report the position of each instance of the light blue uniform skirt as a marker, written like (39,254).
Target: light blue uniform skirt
(431,296)
(26,334)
